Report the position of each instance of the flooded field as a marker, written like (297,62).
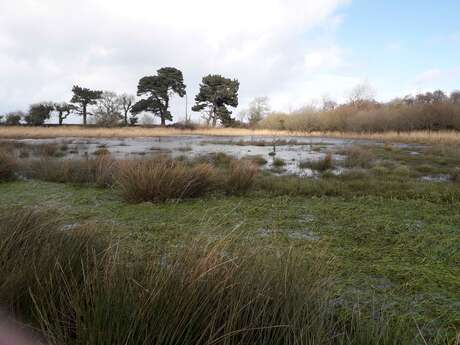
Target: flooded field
(283,155)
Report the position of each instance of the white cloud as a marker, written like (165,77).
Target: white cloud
(428,76)
(46,46)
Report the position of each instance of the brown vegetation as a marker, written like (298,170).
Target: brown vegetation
(416,136)
(7,166)
(163,179)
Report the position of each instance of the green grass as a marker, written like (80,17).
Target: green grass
(403,255)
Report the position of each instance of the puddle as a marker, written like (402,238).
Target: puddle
(436,178)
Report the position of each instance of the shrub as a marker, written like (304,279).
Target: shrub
(241,176)
(7,166)
(163,179)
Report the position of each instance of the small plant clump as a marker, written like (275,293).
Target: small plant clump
(241,177)
(358,157)
(7,166)
(278,162)
(163,179)
(324,164)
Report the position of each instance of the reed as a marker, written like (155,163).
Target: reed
(416,136)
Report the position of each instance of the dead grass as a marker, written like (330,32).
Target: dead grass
(7,166)
(163,179)
(99,171)
(241,176)
(428,137)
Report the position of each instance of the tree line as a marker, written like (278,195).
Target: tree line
(362,113)
(216,94)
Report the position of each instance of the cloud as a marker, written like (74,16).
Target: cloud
(428,76)
(46,46)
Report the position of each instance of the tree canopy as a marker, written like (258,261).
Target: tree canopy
(38,113)
(158,89)
(64,110)
(84,97)
(216,93)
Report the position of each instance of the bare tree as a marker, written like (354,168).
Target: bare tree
(361,94)
(328,103)
(126,102)
(257,110)
(455,97)
(108,109)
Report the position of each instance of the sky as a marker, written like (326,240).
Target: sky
(292,51)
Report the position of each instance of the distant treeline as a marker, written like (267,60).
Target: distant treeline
(427,111)
(360,113)
(106,108)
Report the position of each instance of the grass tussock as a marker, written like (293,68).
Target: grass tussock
(358,157)
(323,164)
(241,176)
(7,166)
(163,179)
(100,171)
(76,289)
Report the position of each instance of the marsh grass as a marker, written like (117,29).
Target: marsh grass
(100,171)
(357,156)
(323,164)
(8,166)
(416,136)
(163,179)
(240,177)
(75,288)
(278,162)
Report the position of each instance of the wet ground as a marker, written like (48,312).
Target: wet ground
(290,150)
(283,155)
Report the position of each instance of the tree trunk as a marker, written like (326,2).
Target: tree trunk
(84,114)
(214,116)
(163,121)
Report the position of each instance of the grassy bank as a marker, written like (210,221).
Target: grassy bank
(429,137)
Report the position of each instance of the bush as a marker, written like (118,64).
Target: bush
(241,176)
(163,179)
(7,166)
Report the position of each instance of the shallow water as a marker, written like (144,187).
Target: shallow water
(292,150)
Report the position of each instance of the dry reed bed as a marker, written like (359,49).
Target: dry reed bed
(427,137)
